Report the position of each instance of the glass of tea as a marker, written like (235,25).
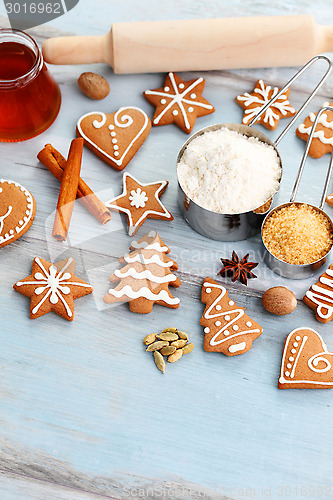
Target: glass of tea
(29,97)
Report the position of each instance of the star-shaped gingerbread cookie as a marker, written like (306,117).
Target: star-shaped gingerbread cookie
(139,202)
(261,95)
(179,102)
(53,287)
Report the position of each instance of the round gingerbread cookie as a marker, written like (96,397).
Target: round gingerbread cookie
(17,211)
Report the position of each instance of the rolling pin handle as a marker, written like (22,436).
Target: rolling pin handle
(78,49)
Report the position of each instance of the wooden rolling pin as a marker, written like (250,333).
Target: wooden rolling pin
(205,44)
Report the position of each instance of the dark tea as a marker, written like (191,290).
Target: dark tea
(29,97)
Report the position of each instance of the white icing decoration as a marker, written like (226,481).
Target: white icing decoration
(181,85)
(318,294)
(312,362)
(293,351)
(138,198)
(226,332)
(295,344)
(166,89)
(145,275)
(193,96)
(178,99)
(132,228)
(282,104)
(218,323)
(248,323)
(218,308)
(154,259)
(227,318)
(175,112)
(298,338)
(125,121)
(54,282)
(208,290)
(3,217)
(235,327)
(315,360)
(239,314)
(163,101)
(190,109)
(319,134)
(207,329)
(28,211)
(289,365)
(144,292)
(237,347)
(231,303)
(149,246)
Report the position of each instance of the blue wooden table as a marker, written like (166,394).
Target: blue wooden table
(84,412)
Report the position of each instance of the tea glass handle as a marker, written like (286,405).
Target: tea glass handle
(305,155)
(291,81)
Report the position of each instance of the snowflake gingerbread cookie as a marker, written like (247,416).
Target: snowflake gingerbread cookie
(179,102)
(306,362)
(227,328)
(53,287)
(139,202)
(146,276)
(261,95)
(322,141)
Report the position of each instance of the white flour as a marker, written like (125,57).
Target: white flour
(229,173)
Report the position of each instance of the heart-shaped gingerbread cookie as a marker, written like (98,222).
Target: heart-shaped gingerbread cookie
(115,137)
(306,362)
(17,211)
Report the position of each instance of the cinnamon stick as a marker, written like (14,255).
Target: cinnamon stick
(68,190)
(55,163)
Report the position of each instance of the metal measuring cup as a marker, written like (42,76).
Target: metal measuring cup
(234,227)
(299,271)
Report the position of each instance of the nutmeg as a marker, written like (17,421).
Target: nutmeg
(279,300)
(93,85)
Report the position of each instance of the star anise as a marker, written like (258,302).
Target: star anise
(238,269)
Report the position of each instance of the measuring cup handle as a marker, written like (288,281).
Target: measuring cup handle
(304,158)
(291,81)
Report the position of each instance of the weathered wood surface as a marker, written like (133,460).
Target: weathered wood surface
(84,412)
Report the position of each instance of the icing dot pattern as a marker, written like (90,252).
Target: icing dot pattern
(6,213)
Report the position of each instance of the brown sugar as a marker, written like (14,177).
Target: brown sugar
(298,234)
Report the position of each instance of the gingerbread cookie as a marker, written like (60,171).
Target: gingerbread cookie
(115,137)
(146,276)
(17,211)
(261,95)
(329,200)
(322,141)
(53,287)
(306,362)
(179,102)
(139,202)
(320,296)
(227,328)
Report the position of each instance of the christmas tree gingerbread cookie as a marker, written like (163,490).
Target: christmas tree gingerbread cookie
(320,296)
(227,328)
(146,276)
(306,362)
(261,95)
